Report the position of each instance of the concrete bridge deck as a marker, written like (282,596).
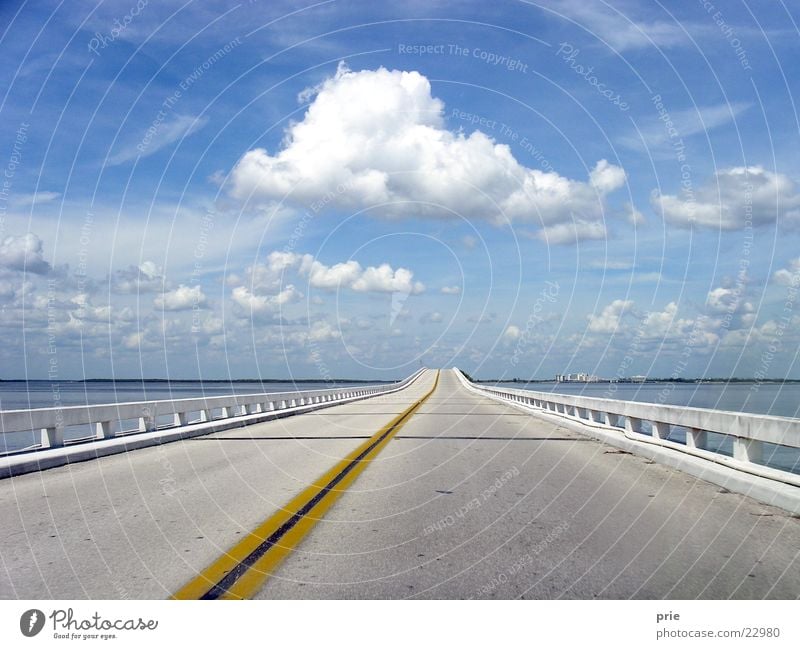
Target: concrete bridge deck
(469,498)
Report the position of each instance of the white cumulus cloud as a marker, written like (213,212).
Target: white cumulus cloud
(378,138)
(180,299)
(254,304)
(789,276)
(732,200)
(24,253)
(384,279)
(609,319)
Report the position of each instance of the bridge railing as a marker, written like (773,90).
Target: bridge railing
(106,421)
(657,424)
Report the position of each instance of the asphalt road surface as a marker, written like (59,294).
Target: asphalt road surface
(469,499)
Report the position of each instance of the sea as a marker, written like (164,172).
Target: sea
(778,399)
(15,395)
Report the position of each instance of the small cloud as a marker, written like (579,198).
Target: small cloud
(434,317)
(24,200)
(610,264)
(789,276)
(253,304)
(469,242)
(609,320)
(632,215)
(25,253)
(512,333)
(572,232)
(147,277)
(182,298)
(451,290)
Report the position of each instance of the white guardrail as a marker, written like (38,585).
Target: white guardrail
(749,432)
(110,421)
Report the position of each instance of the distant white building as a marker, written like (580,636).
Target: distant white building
(578,377)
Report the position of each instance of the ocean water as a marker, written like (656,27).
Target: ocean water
(780,400)
(44,394)
(776,399)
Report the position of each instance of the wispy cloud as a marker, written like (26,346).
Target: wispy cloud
(620,30)
(654,134)
(157,136)
(37,198)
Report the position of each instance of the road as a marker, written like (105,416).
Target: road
(466,498)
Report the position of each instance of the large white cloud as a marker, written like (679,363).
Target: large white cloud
(377,136)
(734,199)
(23,253)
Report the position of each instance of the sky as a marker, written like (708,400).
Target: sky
(357,189)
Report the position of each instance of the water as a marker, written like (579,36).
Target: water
(776,399)
(44,394)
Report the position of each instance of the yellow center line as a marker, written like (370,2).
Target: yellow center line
(242,570)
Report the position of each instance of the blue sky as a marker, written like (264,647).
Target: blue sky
(286,189)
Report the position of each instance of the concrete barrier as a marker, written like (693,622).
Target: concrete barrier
(645,428)
(157,422)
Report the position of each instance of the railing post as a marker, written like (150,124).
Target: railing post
(633,425)
(696,438)
(747,450)
(661,430)
(104,429)
(147,422)
(53,437)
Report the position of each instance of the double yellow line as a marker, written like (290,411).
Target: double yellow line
(242,570)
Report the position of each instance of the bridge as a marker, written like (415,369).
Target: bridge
(431,488)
